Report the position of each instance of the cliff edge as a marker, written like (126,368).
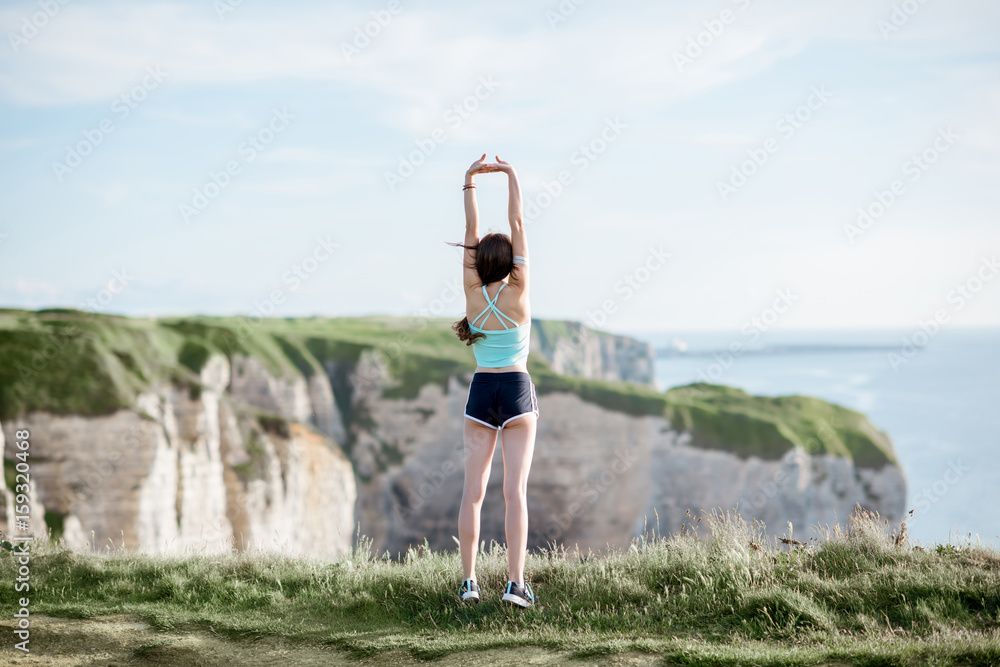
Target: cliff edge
(298,433)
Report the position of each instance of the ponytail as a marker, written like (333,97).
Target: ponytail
(465,332)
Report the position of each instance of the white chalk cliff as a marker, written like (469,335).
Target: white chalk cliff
(245,458)
(195,468)
(597,477)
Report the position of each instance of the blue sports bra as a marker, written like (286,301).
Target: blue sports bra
(506,347)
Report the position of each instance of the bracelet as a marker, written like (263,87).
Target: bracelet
(469,186)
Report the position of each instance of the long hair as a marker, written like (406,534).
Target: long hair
(494,261)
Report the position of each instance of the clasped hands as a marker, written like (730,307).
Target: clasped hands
(481,166)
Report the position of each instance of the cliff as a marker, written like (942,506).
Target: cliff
(139,436)
(217,431)
(573,348)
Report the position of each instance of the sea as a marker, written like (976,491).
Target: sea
(936,393)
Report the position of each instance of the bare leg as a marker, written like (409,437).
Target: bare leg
(518,443)
(480,441)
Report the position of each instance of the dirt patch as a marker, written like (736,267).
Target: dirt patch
(120,641)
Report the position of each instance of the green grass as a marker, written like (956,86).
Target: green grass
(768,427)
(717,594)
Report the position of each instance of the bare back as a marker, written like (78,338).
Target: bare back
(512,302)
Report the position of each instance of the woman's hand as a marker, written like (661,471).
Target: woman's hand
(480,166)
(504,166)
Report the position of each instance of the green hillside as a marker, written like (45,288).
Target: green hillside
(69,361)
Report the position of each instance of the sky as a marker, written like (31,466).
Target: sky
(685,165)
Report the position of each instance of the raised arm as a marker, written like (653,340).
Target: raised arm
(471,277)
(471,206)
(515,214)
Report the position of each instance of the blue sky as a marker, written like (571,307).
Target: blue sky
(309,222)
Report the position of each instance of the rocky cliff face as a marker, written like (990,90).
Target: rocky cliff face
(803,489)
(573,348)
(195,467)
(598,475)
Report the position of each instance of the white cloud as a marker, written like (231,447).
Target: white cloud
(17,144)
(95,51)
(724,138)
(984,133)
(315,187)
(110,194)
(302,154)
(32,288)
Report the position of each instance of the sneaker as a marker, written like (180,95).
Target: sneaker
(469,591)
(522,597)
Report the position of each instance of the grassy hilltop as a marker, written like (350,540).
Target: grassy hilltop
(70,361)
(717,593)
(720,592)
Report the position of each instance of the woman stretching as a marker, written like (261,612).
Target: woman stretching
(501,395)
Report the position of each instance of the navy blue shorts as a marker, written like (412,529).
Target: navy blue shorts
(497,398)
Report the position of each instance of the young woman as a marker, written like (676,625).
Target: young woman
(502,397)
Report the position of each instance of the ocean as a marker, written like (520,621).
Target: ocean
(936,395)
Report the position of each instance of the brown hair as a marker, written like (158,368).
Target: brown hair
(494,261)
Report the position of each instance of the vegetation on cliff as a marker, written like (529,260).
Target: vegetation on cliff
(728,418)
(69,361)
(719,592)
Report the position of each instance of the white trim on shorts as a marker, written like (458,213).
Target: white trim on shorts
(516,416)
(496,428)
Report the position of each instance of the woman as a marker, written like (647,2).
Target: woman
(502,396)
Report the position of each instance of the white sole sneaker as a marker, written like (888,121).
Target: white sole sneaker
(469,593)
(516,599)
(522,597)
